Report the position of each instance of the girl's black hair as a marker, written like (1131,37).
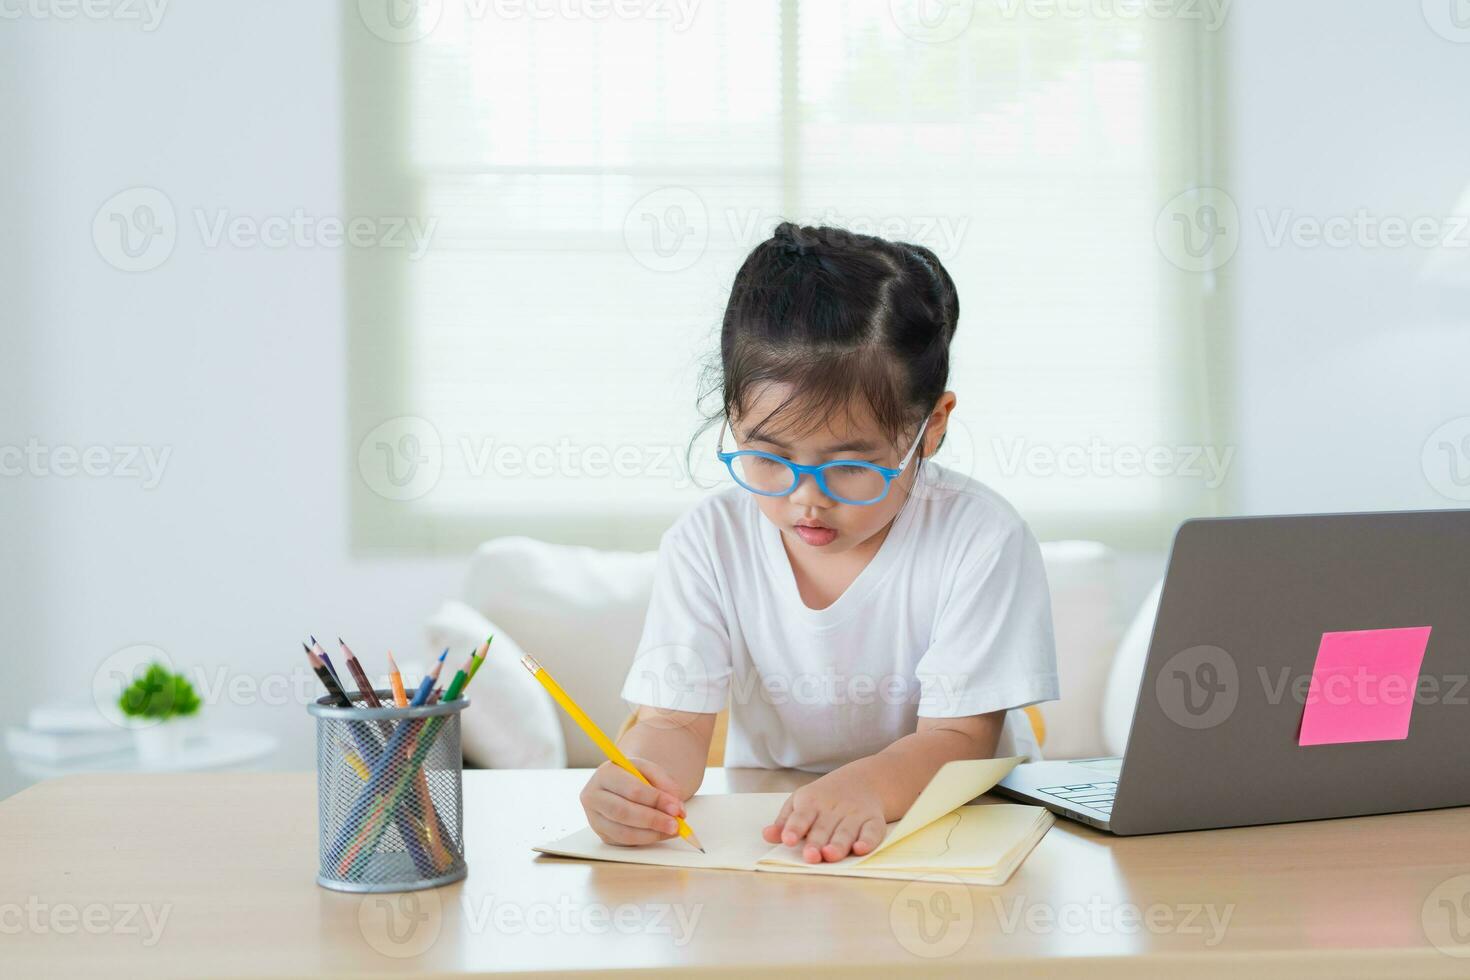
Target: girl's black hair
(838,315)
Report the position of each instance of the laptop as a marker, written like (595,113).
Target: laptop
(1300,668)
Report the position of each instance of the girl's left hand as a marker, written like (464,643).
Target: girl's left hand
(830,818)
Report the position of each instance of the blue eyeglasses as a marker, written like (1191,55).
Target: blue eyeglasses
(848,481)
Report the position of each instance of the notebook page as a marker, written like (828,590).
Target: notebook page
(955,784)
(729,826)
(971,837)
(997,875)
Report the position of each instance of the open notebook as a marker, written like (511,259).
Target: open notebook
(980,845)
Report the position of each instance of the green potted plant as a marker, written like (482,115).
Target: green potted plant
(155,704)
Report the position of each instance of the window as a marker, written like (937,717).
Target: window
(591,183)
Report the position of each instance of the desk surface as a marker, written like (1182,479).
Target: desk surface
(205,875)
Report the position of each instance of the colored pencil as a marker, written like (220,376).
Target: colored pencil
(371,827)
(357,816)
(472,665)
(480,657)
(328,679)
(400,697)
(604,743)
(430,816)
(321,652)
(364,686)
(370,749)
(355,761)
(376,822)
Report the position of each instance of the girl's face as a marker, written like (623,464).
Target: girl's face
(807,517)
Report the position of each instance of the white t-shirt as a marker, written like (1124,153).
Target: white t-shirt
(952,617)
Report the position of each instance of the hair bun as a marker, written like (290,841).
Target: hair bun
(946,299)
(789,238)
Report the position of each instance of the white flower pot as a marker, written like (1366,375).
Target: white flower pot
(160,743)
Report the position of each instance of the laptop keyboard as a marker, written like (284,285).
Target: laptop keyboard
(1094,796)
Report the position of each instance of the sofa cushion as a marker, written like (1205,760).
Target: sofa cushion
(1121,695)
(510,722)
(1085,619)
(577,610)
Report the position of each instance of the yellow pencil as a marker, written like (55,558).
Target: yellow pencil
(598,738)
(355,761)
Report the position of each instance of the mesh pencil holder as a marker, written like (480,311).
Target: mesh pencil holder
(390,796)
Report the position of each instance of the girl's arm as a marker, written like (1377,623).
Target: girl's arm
(846,810)
(676,740)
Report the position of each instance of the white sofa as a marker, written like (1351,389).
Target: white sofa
(580,612)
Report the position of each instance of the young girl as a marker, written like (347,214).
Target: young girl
(865,614)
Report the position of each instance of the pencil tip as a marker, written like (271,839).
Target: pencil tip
(339,640)
(443,655)
(313,639)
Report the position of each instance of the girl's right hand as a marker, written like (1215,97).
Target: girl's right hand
(622,810)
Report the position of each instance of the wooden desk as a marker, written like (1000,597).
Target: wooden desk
(229,859)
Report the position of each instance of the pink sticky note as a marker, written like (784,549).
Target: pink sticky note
(1363,686)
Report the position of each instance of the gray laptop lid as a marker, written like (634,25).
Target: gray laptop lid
(1215,736)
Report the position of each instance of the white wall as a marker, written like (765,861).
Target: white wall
(1346,361)
(16,298)
(231,359)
